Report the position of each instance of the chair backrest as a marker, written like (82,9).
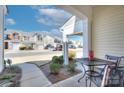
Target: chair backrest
(122,62)
(105,76)
(115,59)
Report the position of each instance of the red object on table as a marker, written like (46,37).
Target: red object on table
(91,55)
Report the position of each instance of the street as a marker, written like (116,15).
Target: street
(30,53)
(35,55)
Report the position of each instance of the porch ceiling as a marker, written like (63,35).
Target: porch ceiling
(76,33)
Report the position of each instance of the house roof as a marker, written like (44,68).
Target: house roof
(30,34)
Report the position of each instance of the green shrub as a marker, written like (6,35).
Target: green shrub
(22,48)
(7,76)
(55,59)
(13,69)
(61,60)
(54,68)
(58,60)
(71,67)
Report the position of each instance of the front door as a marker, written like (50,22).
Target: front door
(6,45)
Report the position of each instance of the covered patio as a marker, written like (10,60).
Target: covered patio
(103,35)
(103,32)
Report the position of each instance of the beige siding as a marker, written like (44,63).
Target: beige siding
(108,30)
(1,38)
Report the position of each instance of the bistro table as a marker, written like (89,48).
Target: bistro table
(96,62)
(91,64)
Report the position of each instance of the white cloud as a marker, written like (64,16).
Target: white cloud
(53,32)
(51,16)
(10,21)
(56,32)
(45,21)
(57,13)
(58,16)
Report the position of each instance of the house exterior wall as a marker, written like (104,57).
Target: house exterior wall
(3,11)
(33,38)
(1,39)
(48,40)
(108,31)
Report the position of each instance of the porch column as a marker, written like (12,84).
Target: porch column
(65,49)
(87,37)
(1,38)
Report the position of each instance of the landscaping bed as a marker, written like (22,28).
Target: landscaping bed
(62,75)
(55,69)
(10,77)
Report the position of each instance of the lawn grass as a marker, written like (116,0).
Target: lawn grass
(10,77)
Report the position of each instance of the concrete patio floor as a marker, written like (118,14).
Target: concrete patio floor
(32,76)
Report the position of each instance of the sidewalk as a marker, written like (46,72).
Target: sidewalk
(32,76)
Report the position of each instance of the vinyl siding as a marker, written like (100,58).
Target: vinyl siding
(108,31)
(1,39)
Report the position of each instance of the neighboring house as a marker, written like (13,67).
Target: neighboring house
(37,39)
(13,39)
(48,40)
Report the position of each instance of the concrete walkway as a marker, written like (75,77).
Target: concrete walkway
(32,76)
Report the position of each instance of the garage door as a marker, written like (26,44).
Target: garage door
(15,46)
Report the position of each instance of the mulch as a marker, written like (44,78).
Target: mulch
(62,75)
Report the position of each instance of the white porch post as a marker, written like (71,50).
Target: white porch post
(65,49)
(1,38)
(86,37)
(66,29)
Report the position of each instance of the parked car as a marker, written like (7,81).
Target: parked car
(59,47)
(80,46)
(52,48)
(48,46)
(71,46)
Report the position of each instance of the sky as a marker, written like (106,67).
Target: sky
(45,18)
